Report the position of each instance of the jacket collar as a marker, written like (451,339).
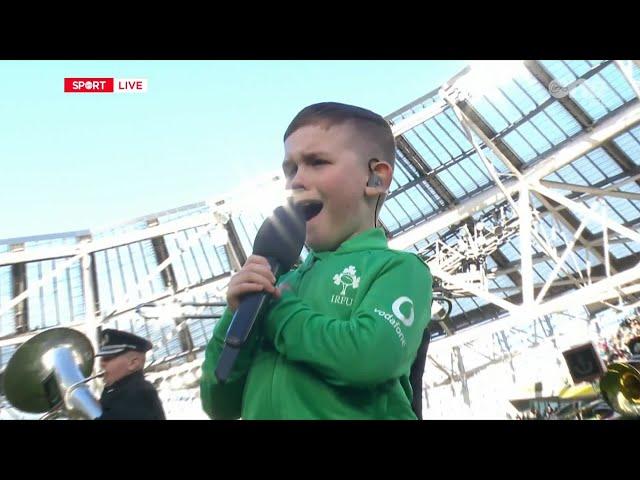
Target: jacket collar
(372,239)
(131,378)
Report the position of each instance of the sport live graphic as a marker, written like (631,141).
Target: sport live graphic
(105,85)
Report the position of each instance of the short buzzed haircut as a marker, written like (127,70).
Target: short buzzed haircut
(369,124)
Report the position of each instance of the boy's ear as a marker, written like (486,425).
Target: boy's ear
(379,178)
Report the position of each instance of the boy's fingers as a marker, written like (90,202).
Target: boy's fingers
(233,295)
(255,276)
(252,277)
(263,270)
(247,288)
(257,260)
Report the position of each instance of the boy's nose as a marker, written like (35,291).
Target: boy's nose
(298,181)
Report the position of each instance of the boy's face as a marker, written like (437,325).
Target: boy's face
(327,170)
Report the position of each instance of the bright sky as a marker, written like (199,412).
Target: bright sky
(77,161)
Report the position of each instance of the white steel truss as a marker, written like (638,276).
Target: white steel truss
(527,182)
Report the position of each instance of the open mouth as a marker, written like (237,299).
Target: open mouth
(309,208)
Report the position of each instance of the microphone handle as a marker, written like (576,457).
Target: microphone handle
(250,308)
(226,362)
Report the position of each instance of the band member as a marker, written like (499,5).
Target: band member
(126,395)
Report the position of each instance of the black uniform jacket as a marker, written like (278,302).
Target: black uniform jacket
(131,398)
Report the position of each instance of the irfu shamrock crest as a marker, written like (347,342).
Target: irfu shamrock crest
(347,278)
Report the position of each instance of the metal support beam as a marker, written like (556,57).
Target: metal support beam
(503,262)
(450,375)
(622,159)
(56,272)
(471,317)
(416,160)
(628,117)
(39,254)
(463,375)
(471,120)
(468,126)
(595,292)
(627,71)
(526,250)
(452,279)
(538,286)
(91,321)
(559,264)
(514,266)
(570,221)
(485,133)
(550,251)
(579,207)
(88,290)
(585,121)
(162,254)
(200,289)
(599,192)
(170,282)
(620,180)
(416,119)
(94,284)
(234,249)
(559,304)
(545,79)
(125,300)
(19,285)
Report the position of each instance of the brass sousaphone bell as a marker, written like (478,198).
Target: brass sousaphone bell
(620,387)
(49,373)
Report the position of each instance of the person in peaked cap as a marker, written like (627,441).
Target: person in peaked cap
(126,395)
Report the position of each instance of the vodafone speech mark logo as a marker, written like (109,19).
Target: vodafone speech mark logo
(105,85)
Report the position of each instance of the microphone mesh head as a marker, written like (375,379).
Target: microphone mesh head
(281,236)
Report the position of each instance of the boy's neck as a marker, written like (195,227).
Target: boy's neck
(348,239)
(366,228)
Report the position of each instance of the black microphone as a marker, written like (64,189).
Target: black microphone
(280,240)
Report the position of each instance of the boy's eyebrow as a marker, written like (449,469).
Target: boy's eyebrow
(305,157)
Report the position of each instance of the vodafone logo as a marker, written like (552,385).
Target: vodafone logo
(105,85)
(407,320)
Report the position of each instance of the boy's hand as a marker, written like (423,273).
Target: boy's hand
(255,276)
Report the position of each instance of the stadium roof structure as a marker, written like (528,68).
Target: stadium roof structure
(518,183)
(561,137)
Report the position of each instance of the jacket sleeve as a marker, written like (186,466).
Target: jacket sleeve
(377,343)
(224,401)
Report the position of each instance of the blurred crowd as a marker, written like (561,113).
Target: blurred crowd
(534,414)
(616,348)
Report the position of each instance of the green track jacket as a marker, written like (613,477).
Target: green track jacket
(338,344)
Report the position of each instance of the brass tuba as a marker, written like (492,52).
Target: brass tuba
(620,387)
(49,373)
